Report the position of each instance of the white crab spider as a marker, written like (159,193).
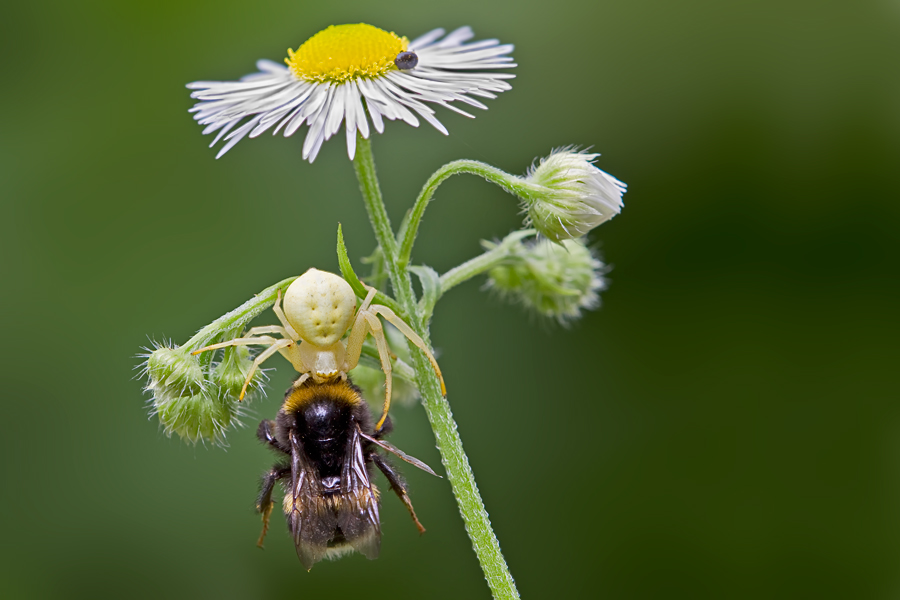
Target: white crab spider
(319,308)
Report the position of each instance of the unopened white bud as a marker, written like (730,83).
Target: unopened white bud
(570,195)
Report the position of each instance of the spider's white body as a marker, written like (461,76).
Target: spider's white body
(319,308)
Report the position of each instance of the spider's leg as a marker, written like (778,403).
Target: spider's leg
(398,485)
(278,345)
(301,380)
(242,341)
(268,329)
(358,333)
(369,297)
(385,354)
(406,330)
(292,333)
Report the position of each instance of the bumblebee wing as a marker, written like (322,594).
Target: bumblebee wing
(358,513)
(311,521)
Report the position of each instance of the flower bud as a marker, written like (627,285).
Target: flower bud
(186,401)
(230,374)
(570,196)
(204,416)
(553,280)
(176,369)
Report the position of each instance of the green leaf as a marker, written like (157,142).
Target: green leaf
(431,290)
(350,276)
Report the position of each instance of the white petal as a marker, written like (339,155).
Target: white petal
(425,40)
(293,123)
(269,66)
(316,134)
(457,37)
(449,71)
(225,130)
(236,136)
(350,119)
(335,111)
(356,100)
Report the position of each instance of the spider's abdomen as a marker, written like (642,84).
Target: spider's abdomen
(320,306)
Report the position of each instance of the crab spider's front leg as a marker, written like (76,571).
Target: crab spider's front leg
(358,333)
(385,355)
(406,330)
(262,340)
(289,350)
(268,329)
(291,332)
(278,345)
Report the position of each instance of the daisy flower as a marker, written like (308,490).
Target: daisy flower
(350,74)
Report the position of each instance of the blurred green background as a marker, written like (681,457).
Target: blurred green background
(726,426)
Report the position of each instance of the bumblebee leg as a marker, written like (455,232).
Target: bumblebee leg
(266,434)
(264,503)
(398,485)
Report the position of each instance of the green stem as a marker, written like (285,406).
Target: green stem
(410,226)
(239,317)
(456,464)
(495,256)
(370,358)
(364,165)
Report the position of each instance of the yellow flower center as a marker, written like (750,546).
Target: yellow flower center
(344,52)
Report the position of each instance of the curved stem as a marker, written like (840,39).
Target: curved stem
(410,227)
(456,464)
(473,267)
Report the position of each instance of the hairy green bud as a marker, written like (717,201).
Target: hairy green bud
(191,401)
(175,369)
(553,280)
(199,417)
(231,373)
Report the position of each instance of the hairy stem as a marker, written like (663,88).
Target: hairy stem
(239,317)
(473,267)
(410,226)
(454,458)
(364,165)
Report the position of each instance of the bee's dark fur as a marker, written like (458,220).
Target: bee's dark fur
(331,505)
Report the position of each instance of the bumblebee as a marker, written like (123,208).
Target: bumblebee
(325,435)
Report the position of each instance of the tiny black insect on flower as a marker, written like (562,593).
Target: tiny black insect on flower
(406,60)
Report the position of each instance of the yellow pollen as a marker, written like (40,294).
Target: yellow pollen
(344,52)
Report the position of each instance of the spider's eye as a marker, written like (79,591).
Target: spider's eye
(406,60)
